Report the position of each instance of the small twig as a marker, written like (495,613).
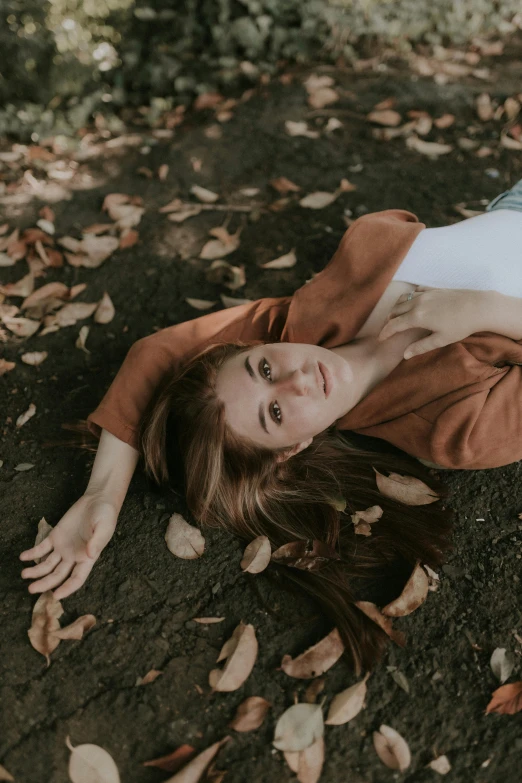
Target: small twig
(335,112)
(219,207)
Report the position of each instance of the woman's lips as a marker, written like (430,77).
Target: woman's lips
(327,379)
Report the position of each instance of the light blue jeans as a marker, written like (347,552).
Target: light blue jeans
(510,199)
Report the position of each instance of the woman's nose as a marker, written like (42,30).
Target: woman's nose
(296,382)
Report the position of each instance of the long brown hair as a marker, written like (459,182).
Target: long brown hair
(232,483)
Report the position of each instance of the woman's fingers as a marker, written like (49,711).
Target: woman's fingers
(79,575)
(40,550)
(48,582)
(42,568)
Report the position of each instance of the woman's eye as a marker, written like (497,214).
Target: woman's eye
(276,413)
(265,369)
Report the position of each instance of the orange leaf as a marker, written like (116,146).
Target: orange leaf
(507,700)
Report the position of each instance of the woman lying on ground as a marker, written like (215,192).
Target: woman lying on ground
(252,401)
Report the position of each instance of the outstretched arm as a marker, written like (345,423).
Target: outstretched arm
(452,315)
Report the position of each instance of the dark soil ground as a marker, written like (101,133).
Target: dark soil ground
(144,599)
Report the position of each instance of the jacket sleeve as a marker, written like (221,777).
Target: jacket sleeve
(150,358)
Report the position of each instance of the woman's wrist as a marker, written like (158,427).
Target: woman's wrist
(503,314)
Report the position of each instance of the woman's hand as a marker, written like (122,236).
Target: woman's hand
(72,547)
(450,314)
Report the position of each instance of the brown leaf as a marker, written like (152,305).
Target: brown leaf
(284,185)
(46,613)
(204,195)
(387,117)
(318,200)
(173,761)
(223,245)
(250,714)
(184,540)
(445,121)
(507,700)
(241,653)
(413,595)
(129,237)
(207,100)
(283,262)
(182,215)
(6,260)
(347,704)
(391,748)
(369,516)
(163,172)
(151,675)
(48,291)
(307,555)
(299,727)
(6,366)
(105,311)
(98,249)
(5,775)
(194,770)
(431,148)
(324,96)
(207,620)
(22,327)
(98,228)
(300,129)
(308,763)
(24,417)
(484,107)
(71,313)
(76,629)
(371,611)
(406,489)
(22,287)
(317,659)
(232,277)
(440,765)
(314,689)
(125,210)
(256,556)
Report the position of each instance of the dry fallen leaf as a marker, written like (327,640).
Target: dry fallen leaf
(48,291)
(507,700)
(6,260)
(318,200)
(105,311)
(413,595)
(22,327)
(308,763)
(509,143)
(46,613)
(440,765)
(128,238)
(44,528)
(502,663)
(5,775)
(6,366)
(200,304)
(283,262)
(82,338)
(284,185)
(91,764)
(484,107)
(309,555)
(151,675)
(76,629)
(430,148)
(300,129)
(299,727)
(194,770)
(125,210)
(445,121)
(223,245)
(363,519)
(24,466)
(386,117)
(256,556)
(22,287)
(406,489)
(183,214)
(317,659)
(204,195)
(232,277)
(24,417)
(97,249)
(371,611)
(173,761)
(250,714)
(241,653)
(391,748)
(347,704)
(207,620)
(184,540)
(314,689)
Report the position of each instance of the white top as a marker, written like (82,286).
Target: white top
(481,253)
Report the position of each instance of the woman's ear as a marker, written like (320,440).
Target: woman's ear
(284,455)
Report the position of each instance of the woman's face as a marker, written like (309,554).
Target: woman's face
(281,394)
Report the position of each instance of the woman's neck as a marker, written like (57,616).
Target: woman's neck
(371,361)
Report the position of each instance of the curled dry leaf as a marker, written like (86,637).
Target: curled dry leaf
(184,540)
(317,659)
(347,704)
(308,555)
(207,620)
(151,675)
(125,210)
(318,200)
(89,763)
(6,260)
(71,313)
(200,304)
(507,700)
(105,311)
(204,195)
(502,663)
(300,129)
(440,765)
(24,417)
(44,528)
(97,249)
(77,629)
(250,714)
(509,143)
(485,110)
(222,246)
(283,262)
(445,121)
(406,489)
(173,761)
(241,653)
(391,748)
(430,148)
(22,287)
(232,277)
(413,595)
(128,238)
(371,611)
(46,613)
(48,291)
(314,689)
(23,466)
(6,366)
(5,775)
(363,519)
(308,763)
(299,727)
(193,771)
(284,185)
(387,117)
(82,339)
(230,301)
(256,556)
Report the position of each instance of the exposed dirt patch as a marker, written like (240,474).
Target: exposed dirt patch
(144,599)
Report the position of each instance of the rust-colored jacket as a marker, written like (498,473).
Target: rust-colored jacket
(459,406)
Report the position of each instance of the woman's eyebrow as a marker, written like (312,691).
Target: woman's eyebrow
(252,374)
